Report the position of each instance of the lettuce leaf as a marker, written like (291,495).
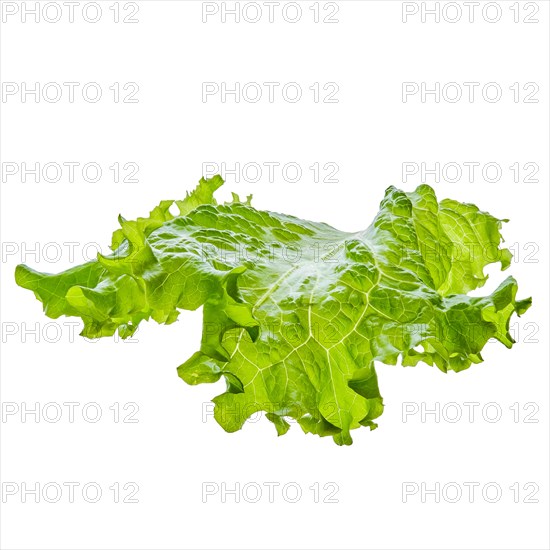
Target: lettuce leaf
(295,313)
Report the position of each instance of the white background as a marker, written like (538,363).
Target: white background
(169,133)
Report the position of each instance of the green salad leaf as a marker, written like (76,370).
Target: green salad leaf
(295,313)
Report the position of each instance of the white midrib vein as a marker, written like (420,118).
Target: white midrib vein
(272,289)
